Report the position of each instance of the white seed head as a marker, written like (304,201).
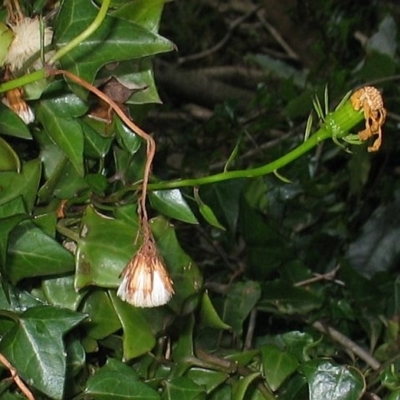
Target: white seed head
(26,43)
(146,282)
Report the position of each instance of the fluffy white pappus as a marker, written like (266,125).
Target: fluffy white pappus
(26,43)
(145,283)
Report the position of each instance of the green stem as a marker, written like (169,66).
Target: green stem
(337,124)
(23,80)
(84,35)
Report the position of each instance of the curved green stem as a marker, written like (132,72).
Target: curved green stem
(23,80)
(337,126)
(84,35)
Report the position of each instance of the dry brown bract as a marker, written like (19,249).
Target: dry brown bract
(370,101)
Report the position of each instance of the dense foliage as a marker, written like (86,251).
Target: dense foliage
(285,284)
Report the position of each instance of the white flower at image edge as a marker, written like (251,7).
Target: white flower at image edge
(26,43)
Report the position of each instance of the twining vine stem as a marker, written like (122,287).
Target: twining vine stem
(151,144)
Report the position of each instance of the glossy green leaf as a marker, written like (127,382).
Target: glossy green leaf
(116,381)
(23,184)
(68,181)
(127,139)
(145,13)
(35,347)
(33,253)
(241,386)
(96,146)
(66,133)
(115,40)
(103,321)
(61,292)
(12,125)
(7,225)
(183,388)
(138,338)
(207,212)
(184,272)
(100,260)
(208,379)
(278,365)
(209,316)
(330,381)
(172,204)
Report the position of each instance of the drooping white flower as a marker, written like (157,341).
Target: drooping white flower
(27,42)
(146,282)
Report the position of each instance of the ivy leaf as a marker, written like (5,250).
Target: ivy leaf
(277,365)
(12,125)
(330,381)
(183,388)
(116,381)
(9,160)
(66,133)
(25,184)
(172,204)
(240,387)
(35,347)
(138,339)
(115,40)
(146,13)
(33,253)
(100,260)
(103,319)
(185,273)
(240,300)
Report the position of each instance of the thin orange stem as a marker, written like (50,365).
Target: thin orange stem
(151,144)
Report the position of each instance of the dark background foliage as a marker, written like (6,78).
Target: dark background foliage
(286,285)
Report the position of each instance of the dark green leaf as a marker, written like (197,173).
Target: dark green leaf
(206,378)
(330,381)
(209,316)
(100,260)
(115,40)
(34,346)
(172,204)
(185,273)
(103,321)
(207,212)
(66,133)
(278,365)
(127,139)
(61,292)
(9,160)
(240,301)
(138,338)
(145,13)
(12,125)
(23,184)
(183,388)
(241,386)
(33,253)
